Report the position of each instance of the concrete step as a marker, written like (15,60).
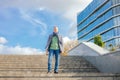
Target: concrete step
(30,75)
(64,70)
(37,61)
(15,59)
(34,67)
(45,65)
(44,74)
(61,61)
(37,58)
(60,78)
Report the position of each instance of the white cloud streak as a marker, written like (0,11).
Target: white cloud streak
(18,50)
(34,21)
(3,40)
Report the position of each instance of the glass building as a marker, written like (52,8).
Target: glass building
(100,17)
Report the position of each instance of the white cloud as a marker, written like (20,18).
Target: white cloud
(66,39)
(68,8)
(18,50)
(3,40)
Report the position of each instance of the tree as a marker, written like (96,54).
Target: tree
(112,48)
(68,46)
(98,41)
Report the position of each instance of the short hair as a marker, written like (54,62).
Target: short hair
(55,27)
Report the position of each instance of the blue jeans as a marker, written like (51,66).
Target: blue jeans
(57,59)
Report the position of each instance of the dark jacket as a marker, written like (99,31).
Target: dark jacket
(60,42)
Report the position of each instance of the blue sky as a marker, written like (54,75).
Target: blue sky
(25,26)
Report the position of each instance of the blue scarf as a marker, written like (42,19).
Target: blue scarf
(55,34)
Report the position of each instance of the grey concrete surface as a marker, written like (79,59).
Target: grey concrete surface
(87,49)
(108,63)
(105,61)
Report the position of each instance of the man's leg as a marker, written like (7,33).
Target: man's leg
(50,60)
(57,60)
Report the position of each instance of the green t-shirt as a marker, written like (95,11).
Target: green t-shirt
(54,44)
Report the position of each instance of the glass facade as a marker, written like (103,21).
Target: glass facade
(100,17)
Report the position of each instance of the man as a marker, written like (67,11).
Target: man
(54,47)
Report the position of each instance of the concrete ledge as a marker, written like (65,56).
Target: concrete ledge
(88,49)
(109,63)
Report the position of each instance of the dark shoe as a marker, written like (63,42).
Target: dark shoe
(56,72)
(49,72)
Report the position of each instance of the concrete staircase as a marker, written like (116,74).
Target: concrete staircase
(34,67)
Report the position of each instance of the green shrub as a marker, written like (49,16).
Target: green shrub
(98,41)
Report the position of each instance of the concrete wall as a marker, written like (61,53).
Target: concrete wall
(109,63)
(115,53)
(83,50)
(87,49)
(105,61)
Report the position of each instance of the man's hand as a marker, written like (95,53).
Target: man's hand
(46,52)
(61,52)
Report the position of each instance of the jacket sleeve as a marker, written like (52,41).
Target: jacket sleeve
(61,40)
(48,42)
(62,43)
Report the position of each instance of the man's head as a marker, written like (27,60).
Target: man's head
(55,29)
